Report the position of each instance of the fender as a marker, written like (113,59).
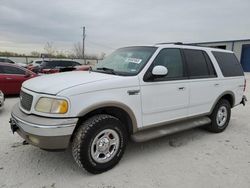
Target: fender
(112,104)
(220,96)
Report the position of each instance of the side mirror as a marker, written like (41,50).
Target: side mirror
(159,71)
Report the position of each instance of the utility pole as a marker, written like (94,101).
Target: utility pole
(83,41)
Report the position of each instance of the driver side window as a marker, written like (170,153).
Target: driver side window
(171,59)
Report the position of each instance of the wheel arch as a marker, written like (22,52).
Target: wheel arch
(118,110)
(228,95)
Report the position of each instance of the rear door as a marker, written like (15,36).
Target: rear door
(204,86)
(11,79)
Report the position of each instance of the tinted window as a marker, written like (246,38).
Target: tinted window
(211,69)
(229,64)
(196,63)
(75,63)
(51,64)
(11,70)
(172,60)
(69,63)
(6,60)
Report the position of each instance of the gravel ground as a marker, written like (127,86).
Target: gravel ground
(193,158)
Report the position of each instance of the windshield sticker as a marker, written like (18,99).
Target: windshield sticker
(134,60)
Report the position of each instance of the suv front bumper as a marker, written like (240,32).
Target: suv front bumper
(43,132)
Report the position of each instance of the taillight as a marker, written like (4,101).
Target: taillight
(245,84)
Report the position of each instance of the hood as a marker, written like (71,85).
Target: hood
(55,83)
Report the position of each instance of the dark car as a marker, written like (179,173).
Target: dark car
(12,77)
(6,60)
(54,66)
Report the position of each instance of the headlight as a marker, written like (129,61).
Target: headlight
(52,106)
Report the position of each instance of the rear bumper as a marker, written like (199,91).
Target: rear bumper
(45,133)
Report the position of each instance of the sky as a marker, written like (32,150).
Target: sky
(26,25)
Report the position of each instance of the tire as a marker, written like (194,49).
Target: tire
(220,122)
(96,136)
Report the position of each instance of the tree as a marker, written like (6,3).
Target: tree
(77,50)
(102,55)
(35,54)
(49,49)
(60,54)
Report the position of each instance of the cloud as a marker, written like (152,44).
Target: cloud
(27,25)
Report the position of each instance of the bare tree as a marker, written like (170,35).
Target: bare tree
(35,54)
(102,55)
(49,49)
(77,50)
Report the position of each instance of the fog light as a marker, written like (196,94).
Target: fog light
(34,139)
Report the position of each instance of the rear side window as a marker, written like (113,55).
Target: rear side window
(6,60)
(11,70)
(198,63)
(75,63)
(228,64)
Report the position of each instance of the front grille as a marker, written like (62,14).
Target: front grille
(26,100)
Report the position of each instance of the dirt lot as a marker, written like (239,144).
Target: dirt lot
(193,158)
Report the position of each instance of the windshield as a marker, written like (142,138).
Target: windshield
(125,61)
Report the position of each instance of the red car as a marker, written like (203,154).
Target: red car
(55,66)
(12,77)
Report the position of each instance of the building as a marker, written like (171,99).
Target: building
(241,48)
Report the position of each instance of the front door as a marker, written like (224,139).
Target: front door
(165,98)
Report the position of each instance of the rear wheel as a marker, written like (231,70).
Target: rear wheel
(99,143)
(220,116)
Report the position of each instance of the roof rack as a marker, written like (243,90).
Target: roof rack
(178,43)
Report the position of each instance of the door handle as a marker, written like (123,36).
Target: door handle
(181,88)
(133,92)
(8,78)
(216,84)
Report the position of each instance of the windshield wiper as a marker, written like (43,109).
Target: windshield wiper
(107,70)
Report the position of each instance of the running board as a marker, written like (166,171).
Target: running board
(152,133)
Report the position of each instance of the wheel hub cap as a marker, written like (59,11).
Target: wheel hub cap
(221,116)
(105,146)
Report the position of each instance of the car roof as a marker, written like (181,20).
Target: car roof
(182,46)
(189,46)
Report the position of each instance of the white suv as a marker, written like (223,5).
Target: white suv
(140,92)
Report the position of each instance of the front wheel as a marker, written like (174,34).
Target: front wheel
(99,143)
(220,117)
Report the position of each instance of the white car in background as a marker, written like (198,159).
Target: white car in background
(1,99)
(37,62)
